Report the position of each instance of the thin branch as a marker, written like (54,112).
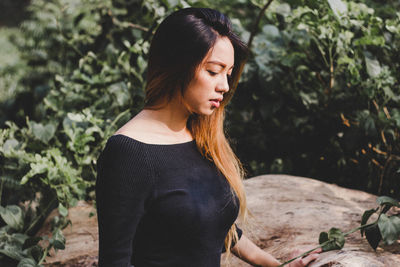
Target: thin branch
(383,174)
(36,220)
(387,113)
(137,26)
(376,106)
(331,70)
(332,76)
(150,31)
(260,15)
(241,67)
(1,189)
(129,24)
(328,241)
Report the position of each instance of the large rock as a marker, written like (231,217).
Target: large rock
(288,213)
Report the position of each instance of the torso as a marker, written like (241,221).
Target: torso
(181,203)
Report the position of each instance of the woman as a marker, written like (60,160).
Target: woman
(169,186)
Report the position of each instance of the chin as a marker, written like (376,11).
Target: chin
(204,112)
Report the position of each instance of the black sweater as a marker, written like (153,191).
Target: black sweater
(161,205)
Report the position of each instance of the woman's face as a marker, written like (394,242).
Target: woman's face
(205,92)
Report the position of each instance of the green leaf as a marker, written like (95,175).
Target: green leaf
(338,236)
(13,216)
(43,133)
(58,240)
(121,92)
(384,200)
(388,92)
(370,40)
(373,235)
(308,99)
(281,8)
(63,210)
(386,208)
(323,237)
(19,238)
(27,262)
(372,64)
(12,252)
(271,32)
(367,214)
(389,228)
(36,252)
(10,144)
(31,241)
(58,244)
(171,3)
(338,7)
(334,237)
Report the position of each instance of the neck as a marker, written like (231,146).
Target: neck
(171,117)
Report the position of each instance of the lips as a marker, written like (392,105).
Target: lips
(216,102)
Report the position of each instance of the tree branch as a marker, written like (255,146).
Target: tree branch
(241,67)
(260,15)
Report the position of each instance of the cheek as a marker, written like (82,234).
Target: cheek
(205,83)
(200,86)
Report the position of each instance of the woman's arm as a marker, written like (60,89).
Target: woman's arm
(249,252)
(123,184)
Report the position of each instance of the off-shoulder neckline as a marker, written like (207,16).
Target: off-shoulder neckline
(148,144)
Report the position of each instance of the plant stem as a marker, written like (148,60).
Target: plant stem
(260,15)
(43,256)
(1,190)
(250,41)
(358,228)
(40,216)
(326,242)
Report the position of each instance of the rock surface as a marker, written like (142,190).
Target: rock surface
(288,213)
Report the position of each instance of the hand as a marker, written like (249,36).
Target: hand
(304,261)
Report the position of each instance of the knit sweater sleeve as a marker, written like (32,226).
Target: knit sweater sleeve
(124,185)
(239,233)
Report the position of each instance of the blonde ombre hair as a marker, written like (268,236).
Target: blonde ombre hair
(211,141)
(179,45)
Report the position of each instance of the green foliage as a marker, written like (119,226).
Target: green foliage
(334,239)
(386,227)
(16,243)
(12,216)
(319,97)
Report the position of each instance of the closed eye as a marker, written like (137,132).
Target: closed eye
(212,73)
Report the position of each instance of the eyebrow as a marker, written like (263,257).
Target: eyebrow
(218,63)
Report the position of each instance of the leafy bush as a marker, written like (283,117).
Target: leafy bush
(319,97)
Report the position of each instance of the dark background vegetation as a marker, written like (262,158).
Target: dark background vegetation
(319,97)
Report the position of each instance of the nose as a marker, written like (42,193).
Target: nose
(223,85)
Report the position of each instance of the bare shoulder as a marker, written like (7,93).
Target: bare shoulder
(151,130)
(137,129)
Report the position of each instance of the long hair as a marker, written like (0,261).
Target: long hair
(178,47)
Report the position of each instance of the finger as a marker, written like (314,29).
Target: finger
(309,258)
(319,250)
